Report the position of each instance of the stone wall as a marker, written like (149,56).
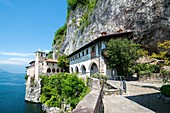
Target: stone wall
(154,77)
(149,19)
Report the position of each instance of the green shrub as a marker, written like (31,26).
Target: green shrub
(100,76)
(154,68)
(165,90)
(96,75)
(60,35)
(146,67)
(146,72)
(166,75)
(62,88)
(26,77)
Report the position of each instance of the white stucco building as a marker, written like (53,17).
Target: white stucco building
(88,59)
(42,66)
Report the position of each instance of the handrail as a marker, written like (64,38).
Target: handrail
(122,83)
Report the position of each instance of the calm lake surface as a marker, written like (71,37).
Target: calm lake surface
(12,92)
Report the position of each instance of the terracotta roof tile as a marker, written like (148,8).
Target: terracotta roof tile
(51,60)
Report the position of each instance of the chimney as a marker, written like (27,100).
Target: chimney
(103,33)
(120,30)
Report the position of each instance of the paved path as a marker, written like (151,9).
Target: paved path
(120,104)
(140,98)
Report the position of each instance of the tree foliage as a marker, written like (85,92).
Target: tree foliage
(50,54)
(121,54)
(165,44)
(60,35)
(62,88)
(163,47)
(63,62)
(73,3)
(165,90)
(145,68)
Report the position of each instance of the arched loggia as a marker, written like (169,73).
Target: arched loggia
(93,69)
(83,69)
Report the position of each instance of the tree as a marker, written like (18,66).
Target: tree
(73,3)
(50,54)
(121,54)
(164,51)
(62,88)
(63,62)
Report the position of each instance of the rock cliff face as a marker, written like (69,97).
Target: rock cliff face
(149,19)
(33,90)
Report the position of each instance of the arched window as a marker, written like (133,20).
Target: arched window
(71,69)
(87,51)
(93,49)
(77,70)
(93,69)
(61,70)
(53,70)
(83,69)
(48,70)
(58,70)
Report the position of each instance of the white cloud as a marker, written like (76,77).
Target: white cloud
(16,61)
(16,54)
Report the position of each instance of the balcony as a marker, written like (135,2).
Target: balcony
(81,59)
(93,54)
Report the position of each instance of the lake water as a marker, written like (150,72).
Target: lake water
(12,92)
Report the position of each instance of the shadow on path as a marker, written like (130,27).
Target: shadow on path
(151,101)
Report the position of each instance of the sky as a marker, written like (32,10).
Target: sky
(26,26)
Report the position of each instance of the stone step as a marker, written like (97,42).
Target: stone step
(113,92)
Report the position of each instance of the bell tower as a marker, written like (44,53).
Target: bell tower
(39,58)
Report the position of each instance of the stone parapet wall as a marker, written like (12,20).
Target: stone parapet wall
(153,77)
(92,102)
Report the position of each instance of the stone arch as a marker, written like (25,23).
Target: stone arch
(76,69)
(93,68)
(48,70)
(58,70)
(72,70)
(62,70)
(53,70)
(83,69)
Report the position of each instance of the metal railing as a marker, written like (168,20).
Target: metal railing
(122,83)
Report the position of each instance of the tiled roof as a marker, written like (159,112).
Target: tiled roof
(114,35)
(51,60)
(29,67)
(32,62)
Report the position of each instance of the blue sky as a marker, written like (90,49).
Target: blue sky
(26,26)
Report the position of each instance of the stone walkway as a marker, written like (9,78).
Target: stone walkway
(140,98)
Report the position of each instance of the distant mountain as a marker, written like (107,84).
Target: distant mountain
(3,71)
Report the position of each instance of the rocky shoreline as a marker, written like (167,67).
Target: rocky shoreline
(33,91)
(32,95)
(48,109)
